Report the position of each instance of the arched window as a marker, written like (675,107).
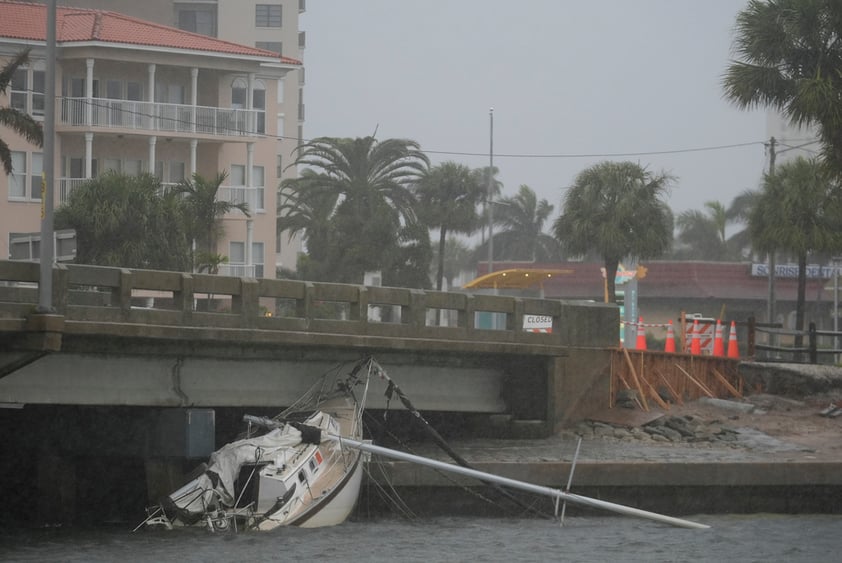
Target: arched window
(239,95)
(259,103)
(239,91)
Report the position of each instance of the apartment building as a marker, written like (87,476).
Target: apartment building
(136,95)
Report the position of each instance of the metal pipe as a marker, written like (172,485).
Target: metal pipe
(505,481)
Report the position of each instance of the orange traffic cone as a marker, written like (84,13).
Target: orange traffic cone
(718,345)
(695,344)
(733,348)
(641,335)
(670,344)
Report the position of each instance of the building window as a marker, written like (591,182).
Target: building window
(259,103)
(239,92)
(280,92)
(198,21)
(257,258)
(279,124)
(26,172)
(238,175)
(274,46)
(26,92)
(17,179)
(258,182)
(35,176)
(267,15)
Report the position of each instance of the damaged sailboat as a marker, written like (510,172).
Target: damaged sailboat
(286,470)
(304,467)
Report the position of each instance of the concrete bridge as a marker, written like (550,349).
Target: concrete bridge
(123,337)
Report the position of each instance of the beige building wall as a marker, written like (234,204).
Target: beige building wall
(236,22)
(128,149)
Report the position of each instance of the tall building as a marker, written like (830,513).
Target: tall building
(224,75)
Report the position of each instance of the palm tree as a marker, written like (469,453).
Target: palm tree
(616,209)
(799,210)
(487,178)
(457,258)
(448,195)
(203,214)
(21,123)
(704,233)
(790,59)
(371,183)
(522,218)
(307,212)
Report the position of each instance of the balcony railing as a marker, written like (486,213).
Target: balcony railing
(238,270)
(67,185)
(149,116)
(242,194)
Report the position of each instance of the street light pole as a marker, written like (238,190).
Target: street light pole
(45,282)
(491,191)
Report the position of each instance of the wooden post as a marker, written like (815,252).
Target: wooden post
(636,380)
(814,353)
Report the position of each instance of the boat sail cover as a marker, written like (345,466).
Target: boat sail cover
(216,485)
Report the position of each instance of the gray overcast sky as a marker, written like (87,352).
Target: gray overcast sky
(564,77)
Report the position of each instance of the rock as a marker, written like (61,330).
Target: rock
(728,405)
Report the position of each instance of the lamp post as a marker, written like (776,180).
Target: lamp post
(490,191)
(45,282)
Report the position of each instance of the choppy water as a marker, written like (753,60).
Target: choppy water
(766,538)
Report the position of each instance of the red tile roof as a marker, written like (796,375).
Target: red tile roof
(26,21)
(669,280)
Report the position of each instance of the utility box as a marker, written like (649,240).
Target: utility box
(187,433)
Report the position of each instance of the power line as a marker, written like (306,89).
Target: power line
(239,130)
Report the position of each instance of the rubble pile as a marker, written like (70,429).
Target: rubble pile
(686,428)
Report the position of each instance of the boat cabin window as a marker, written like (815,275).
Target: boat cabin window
(313,466)
(302,476)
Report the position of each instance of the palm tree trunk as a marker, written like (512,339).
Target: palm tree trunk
(440,274)
(611,265)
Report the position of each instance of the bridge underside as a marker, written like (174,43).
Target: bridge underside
(179,381)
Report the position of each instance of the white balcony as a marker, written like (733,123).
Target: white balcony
(243,194)
(157,117)
(66,186)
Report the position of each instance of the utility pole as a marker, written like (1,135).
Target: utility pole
(770,305)
(491,191)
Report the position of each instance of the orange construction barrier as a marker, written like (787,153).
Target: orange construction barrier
(733,348)
(695,344)
(670,344)
(641,335)
(718,344)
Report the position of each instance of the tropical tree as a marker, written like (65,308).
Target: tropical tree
(371,182)
(522,218)
(798,210)
(448,196)
(203,213)
(20,122)
(703,233)
(125,221)
(458,257)
(789,58)
(618,210)
(487,178)
(307,212)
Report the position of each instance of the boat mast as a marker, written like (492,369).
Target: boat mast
(537,489)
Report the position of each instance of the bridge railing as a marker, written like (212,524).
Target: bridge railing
(97,294)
